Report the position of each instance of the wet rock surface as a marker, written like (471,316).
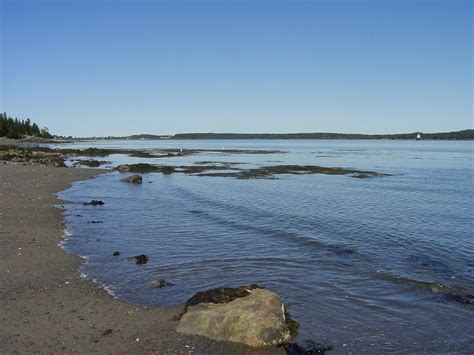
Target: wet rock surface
(309,349)
(94,203)
(139,259)
(219,295)
(168,170)
(140,168)
(92,163)
(159,283)
(55,157)
(24,155)
(269,172)
(133,179)
(123,168)
(248,314)
(265,172)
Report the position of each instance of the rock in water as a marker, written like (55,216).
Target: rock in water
(168,170)
(123,168)
(139,259)
(256,319)
(159,283)
(134,179)
(94,203)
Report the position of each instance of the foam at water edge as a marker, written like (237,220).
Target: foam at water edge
(101,285)
(67,233)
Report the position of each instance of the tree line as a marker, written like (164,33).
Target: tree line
(15,128)
(467,134)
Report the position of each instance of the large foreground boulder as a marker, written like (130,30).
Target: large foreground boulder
(253,316)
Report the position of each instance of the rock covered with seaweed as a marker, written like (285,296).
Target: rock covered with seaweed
(250,315)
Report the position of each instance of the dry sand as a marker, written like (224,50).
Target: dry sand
(45,306)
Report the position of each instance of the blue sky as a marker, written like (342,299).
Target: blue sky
(123,67)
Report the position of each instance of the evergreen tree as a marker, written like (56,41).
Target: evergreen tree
(15,128)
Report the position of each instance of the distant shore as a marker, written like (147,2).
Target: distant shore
(46,306)
(467,134)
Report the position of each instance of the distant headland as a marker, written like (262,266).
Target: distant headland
(467,134)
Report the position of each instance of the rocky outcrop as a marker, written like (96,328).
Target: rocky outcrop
(253,316)
(133,179)
(24,155)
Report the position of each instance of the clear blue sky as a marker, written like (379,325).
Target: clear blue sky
(122,67)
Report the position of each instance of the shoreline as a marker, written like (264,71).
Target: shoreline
(46,305)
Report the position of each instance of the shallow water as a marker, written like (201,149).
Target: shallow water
(380,264)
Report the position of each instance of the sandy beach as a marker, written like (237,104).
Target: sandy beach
(46,307)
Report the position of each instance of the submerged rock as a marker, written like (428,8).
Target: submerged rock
(139,259)
(134,179)
(94,203)
(252,316)
(159,283)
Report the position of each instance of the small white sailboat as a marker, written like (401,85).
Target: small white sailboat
(418,137)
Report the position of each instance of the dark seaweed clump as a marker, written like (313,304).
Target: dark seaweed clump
(29,155)
(92,163)
(167,169)
(292,324)
(139,259)
(309,349)
(94,203)
(266,172)
(218,295)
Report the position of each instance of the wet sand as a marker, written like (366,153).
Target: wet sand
(46,307)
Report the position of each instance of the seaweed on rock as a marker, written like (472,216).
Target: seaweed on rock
(218,295)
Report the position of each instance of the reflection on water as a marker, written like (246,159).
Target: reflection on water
(379,264)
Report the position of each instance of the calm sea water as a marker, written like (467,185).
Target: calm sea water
(376,265)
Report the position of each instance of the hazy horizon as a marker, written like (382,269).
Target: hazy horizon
(100,68)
